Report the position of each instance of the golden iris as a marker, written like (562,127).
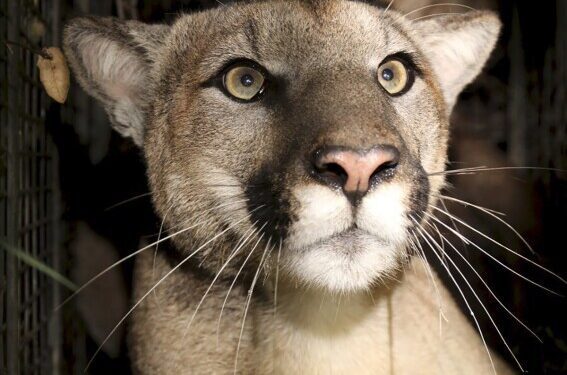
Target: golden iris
(243,82)
(393,76)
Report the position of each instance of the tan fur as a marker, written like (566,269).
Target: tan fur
(349,298)
(393,330)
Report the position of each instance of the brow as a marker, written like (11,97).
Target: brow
(251,32)
(244,46)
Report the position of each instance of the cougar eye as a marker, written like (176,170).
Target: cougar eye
(243,82)
(394,77)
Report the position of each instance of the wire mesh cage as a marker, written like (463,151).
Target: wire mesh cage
(31,331)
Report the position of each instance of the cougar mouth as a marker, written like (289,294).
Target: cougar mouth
(349,261)
(345,241)
(340,247)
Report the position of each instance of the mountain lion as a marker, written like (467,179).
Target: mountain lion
(295,153)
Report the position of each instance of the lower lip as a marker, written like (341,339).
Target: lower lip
(351,233)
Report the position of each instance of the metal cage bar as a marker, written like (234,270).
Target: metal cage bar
(30,330)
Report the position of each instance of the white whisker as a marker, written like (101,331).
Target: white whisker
(389,6)
(157,284)
(505,248)
(466,204)
(249,298)
(492,214)
(452,221)
(101,273)
(239,246)
(126,201)
(436,15)
(488,287)
(421,253)
(473,170)
(156,252)
(468,241)
(478,299)
(460,292)
(437,5)
(277,278)
(236,277)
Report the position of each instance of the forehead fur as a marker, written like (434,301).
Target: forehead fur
(279,35)
(297,39)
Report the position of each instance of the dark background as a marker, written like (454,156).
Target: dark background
(513,115)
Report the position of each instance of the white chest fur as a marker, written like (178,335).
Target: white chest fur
(315,334)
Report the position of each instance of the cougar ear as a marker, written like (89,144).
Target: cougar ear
(457,47)
(112,60)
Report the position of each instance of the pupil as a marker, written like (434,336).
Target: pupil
(247,80)
(388,74)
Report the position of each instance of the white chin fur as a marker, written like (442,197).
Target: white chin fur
(346,263)
(322,251)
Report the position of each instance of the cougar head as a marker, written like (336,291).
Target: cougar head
(312,130)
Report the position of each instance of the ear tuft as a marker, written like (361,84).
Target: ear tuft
(457,47)
(112,60)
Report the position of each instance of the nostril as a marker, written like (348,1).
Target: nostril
(334,169)
(384,170)
(332,172)
(387,164)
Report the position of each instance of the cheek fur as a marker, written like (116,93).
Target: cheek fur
(227,190)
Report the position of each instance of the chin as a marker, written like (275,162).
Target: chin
(348,262)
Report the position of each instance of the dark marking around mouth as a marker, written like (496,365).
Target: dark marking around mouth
(419,198)
(273,217)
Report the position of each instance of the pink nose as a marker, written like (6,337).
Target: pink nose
(355,170)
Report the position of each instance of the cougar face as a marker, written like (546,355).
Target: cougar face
(310,129)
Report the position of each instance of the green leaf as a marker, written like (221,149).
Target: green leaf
(38,265)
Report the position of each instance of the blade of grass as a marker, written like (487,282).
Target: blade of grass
(38,265)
